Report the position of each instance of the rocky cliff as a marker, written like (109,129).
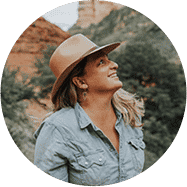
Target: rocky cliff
(32,41)
(94,11)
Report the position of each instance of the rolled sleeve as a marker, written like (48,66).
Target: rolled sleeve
(51,152)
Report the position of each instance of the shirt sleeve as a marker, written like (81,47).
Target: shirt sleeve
(51,152)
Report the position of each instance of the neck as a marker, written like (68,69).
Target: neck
(97,104)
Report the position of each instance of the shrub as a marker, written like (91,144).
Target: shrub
(13,94)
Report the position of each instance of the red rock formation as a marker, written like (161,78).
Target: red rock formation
(94,11)
(32,41)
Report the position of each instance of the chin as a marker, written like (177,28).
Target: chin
(118,85)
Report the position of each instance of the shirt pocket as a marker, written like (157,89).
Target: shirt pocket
(91,158)
(137,147)
(92,167)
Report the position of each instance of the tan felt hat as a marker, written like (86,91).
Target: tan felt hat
(69,54)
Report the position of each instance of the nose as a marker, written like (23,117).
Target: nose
(114,65)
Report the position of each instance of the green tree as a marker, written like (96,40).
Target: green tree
(162,86)
(44,77)
(14,92)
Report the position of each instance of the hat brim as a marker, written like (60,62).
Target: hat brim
(60,79)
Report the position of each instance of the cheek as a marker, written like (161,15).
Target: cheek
(91,74)
(96,77)
(94,80)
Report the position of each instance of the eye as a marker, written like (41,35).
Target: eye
(101,62)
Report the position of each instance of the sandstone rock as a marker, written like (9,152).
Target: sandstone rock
(31,43)
(94,11)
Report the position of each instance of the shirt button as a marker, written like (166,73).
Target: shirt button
(86,163)
(100,159)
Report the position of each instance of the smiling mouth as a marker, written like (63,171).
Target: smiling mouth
(113,75)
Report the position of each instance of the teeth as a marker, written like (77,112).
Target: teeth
(114,75)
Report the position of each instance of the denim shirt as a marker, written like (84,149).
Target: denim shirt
(71,148)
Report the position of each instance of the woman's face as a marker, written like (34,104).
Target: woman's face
(100,74)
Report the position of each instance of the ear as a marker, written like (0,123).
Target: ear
(80,83)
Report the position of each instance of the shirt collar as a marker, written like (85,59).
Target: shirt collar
(119,115)
(82,117)
(84,120)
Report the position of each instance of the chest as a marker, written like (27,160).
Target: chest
(96,159)
(107,126)
(110,132)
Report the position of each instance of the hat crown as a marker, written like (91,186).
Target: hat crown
(69,52)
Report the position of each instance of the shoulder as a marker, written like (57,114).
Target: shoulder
(62,120)
(63,116)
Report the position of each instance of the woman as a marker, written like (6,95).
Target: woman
(94,135)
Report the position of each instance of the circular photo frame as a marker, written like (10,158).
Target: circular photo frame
(148,66)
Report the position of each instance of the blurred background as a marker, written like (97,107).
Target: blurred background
(148,66)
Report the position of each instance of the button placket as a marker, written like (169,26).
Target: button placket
(121,159)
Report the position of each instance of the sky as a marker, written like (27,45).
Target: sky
(63,16)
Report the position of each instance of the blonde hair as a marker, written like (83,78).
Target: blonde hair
(129,106)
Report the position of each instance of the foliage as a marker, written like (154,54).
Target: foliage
(13,94)
(44,78)
(162,86)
